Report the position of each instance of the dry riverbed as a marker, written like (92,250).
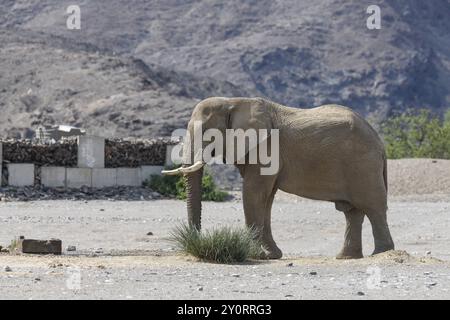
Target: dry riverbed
(123,252)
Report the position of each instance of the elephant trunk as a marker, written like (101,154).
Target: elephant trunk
(193,183)
(193,175)
(194,198)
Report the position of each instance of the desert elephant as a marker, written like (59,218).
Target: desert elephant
(326,153)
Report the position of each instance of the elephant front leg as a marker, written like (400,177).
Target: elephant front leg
(258,194)
(353,232)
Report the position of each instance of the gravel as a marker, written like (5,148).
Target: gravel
(419,177)
(115,258)
(122,247)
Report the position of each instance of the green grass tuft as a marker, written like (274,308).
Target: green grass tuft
(224,245)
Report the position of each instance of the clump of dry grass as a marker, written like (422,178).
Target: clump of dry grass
(224,245)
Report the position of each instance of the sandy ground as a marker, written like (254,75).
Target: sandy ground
(116,259)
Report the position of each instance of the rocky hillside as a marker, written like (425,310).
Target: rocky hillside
(297,52)
(158,57)
(50,80)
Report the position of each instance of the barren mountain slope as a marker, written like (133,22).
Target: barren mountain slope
(297,52)
(48,80)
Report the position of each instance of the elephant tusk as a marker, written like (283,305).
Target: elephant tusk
(195,167)
(184,170)
(174,172)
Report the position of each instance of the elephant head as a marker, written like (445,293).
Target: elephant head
(218,114)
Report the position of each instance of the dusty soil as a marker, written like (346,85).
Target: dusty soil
(419,177)
(116,259)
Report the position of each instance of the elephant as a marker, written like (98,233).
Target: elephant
(327,153)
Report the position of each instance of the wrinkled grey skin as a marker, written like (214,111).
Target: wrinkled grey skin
(327,153)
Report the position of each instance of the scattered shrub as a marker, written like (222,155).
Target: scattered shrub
(225,245)
(176,186)
(417,134)
(165,185)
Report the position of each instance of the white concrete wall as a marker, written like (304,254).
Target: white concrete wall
(53,177)
(91,171)
(91,152)
(78,177)
(129,177)
(20,174)
(102,178)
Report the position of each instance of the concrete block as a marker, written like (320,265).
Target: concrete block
(91,152)
(147,171)
(52,246)
(20,174)
(53,177)
(103,178)
(129,177)
(173,155)
(78,177)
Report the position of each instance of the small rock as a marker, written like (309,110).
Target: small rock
(150,233)
(288,296)
(235,275)
(360,293)
(431,284)
(37,279)
(102,210)
(313,273)
(71,248)
(8,269)
(428,253)
(200,289)
(291,264)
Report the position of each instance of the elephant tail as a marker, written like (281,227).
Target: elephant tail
(385,173)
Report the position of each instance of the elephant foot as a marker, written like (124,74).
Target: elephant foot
(346,254)
(271,254)
(382,249)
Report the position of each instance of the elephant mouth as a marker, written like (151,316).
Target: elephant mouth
(184,170)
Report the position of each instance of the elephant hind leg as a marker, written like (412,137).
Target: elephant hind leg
(354,217)
(380,229)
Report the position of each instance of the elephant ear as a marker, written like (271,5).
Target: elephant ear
(249,119)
